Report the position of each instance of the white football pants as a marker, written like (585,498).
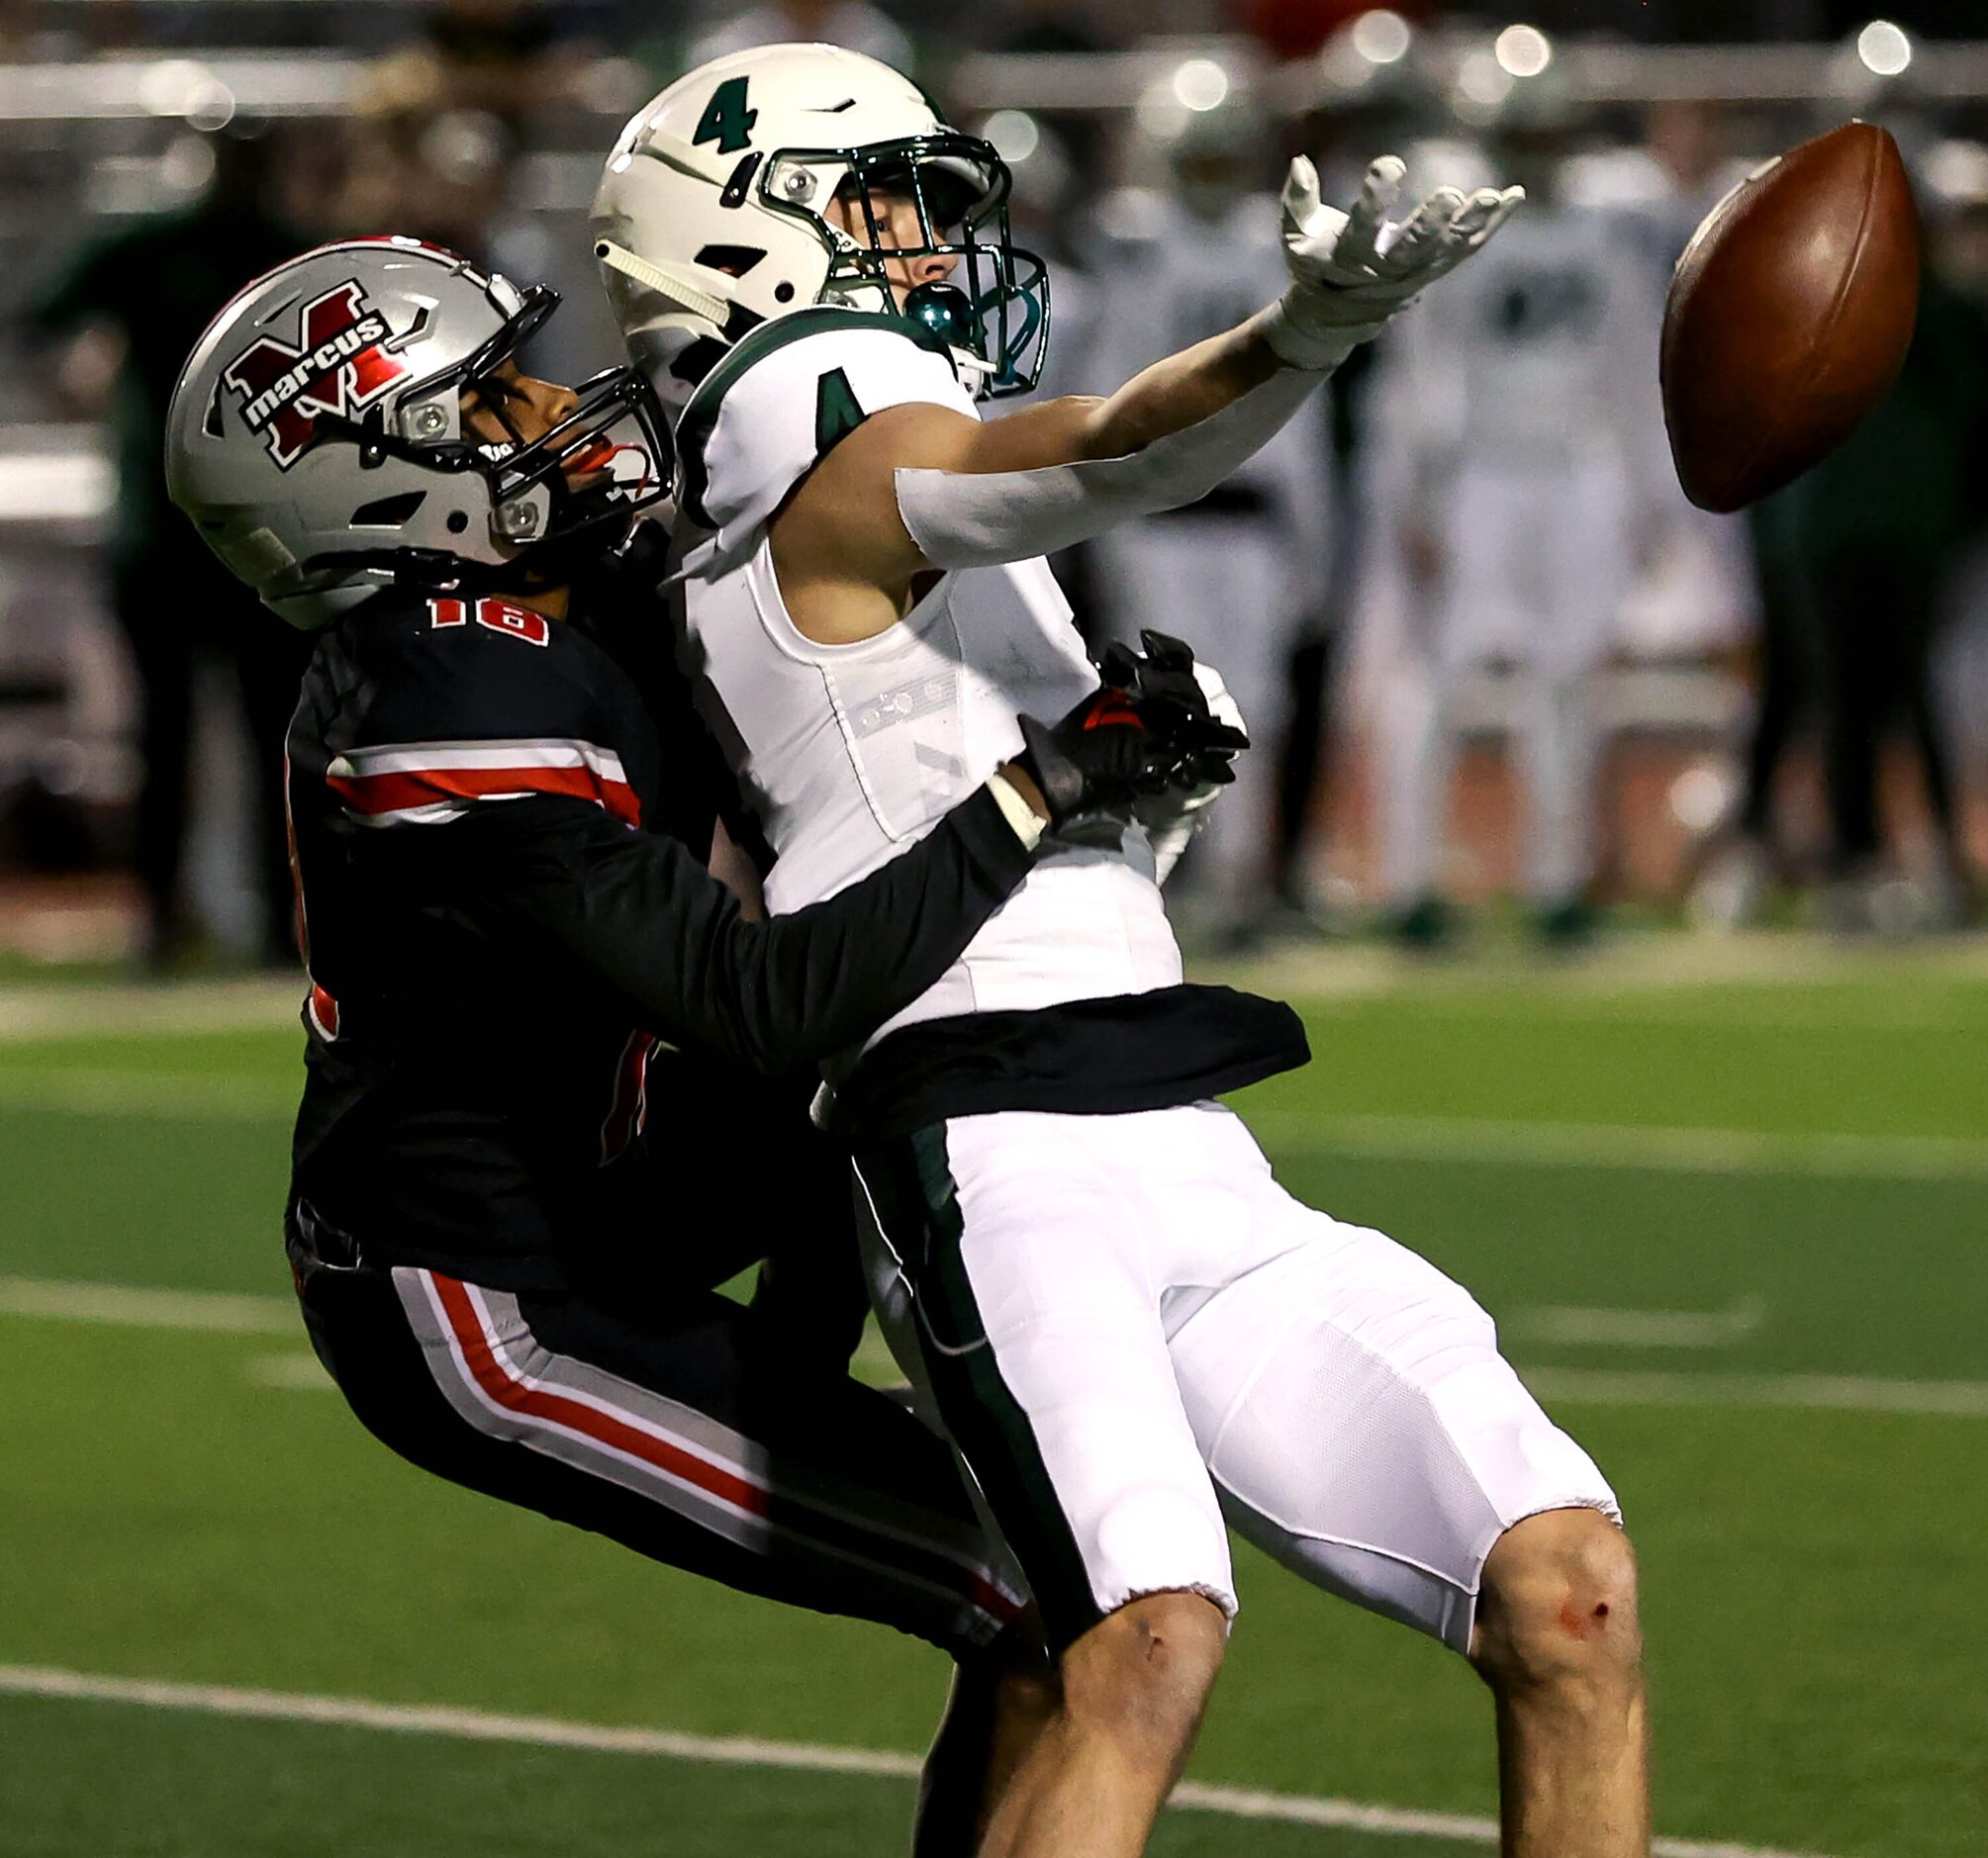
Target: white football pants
(1133,1334)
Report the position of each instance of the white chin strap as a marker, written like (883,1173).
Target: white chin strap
(665,280)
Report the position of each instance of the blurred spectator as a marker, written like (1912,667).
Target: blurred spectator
(1052,26)
(503,58)
(1240,575)
(441,176)
(133,304)
(1053,215)
(1856,554)
(1295,29)
(28,36)
(853,24)
(1058,27)
(444,120)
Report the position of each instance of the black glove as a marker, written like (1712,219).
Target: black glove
(1160,677)
(1146,730)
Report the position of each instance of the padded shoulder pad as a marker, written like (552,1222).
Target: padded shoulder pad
(459,701)
(784,397)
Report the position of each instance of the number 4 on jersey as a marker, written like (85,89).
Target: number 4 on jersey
(727,121)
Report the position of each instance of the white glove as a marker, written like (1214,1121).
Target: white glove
(1174,820)
(1350,271)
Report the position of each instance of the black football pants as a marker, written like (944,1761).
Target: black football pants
(682,1430)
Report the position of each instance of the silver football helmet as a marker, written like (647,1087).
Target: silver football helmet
(316,436)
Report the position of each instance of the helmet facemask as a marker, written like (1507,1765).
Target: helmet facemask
(615,434)
(993,310)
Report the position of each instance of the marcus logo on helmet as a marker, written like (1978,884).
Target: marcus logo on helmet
(338,366)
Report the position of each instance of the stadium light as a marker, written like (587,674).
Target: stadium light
(1483,83)
(1523,51)
(1381,37)
(1700,798)
(1200,84)
(1885,49)
(1159,115)
(1015,134)
(185,88)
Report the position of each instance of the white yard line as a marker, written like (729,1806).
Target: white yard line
(294,1373)
(171,1096)
(140,1306)
(143,1307)
(1577,1326)
(736,1751)
(176,1096)
(1820,1393)
(1650,967)
(1623,1145)
(131,1010)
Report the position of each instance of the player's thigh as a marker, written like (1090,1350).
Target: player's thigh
(1360,1424)
(672,1433)
(1027,1287)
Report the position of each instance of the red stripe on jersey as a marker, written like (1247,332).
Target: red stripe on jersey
(425,787)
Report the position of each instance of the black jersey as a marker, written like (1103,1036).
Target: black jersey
(496,943)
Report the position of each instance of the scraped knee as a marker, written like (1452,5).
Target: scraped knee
(1142,1675)
(1558,1609)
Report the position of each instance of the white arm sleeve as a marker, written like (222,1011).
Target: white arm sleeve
(974,520)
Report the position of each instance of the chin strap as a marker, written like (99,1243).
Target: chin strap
(665,280)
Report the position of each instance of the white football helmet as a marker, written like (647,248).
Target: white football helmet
(316,434)
(709,220)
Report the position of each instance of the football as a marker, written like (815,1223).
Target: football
(1790,316)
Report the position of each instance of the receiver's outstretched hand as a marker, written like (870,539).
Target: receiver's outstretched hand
(1350,271)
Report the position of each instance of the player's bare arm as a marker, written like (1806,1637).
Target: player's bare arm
(883,508)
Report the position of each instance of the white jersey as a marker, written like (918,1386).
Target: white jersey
(849,753)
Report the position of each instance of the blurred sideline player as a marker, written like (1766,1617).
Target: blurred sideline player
(1249,561)
(1693,597)
(502,1255)
(1053,215)
(1509,454)
(132,300)
(1132,1333)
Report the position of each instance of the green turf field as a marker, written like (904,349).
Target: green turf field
(1734,1229)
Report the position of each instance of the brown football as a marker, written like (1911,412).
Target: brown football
(1790,316)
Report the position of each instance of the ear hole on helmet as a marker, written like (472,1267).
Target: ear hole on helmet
(388,512)
(782,293)
(733,260)
(459,520)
